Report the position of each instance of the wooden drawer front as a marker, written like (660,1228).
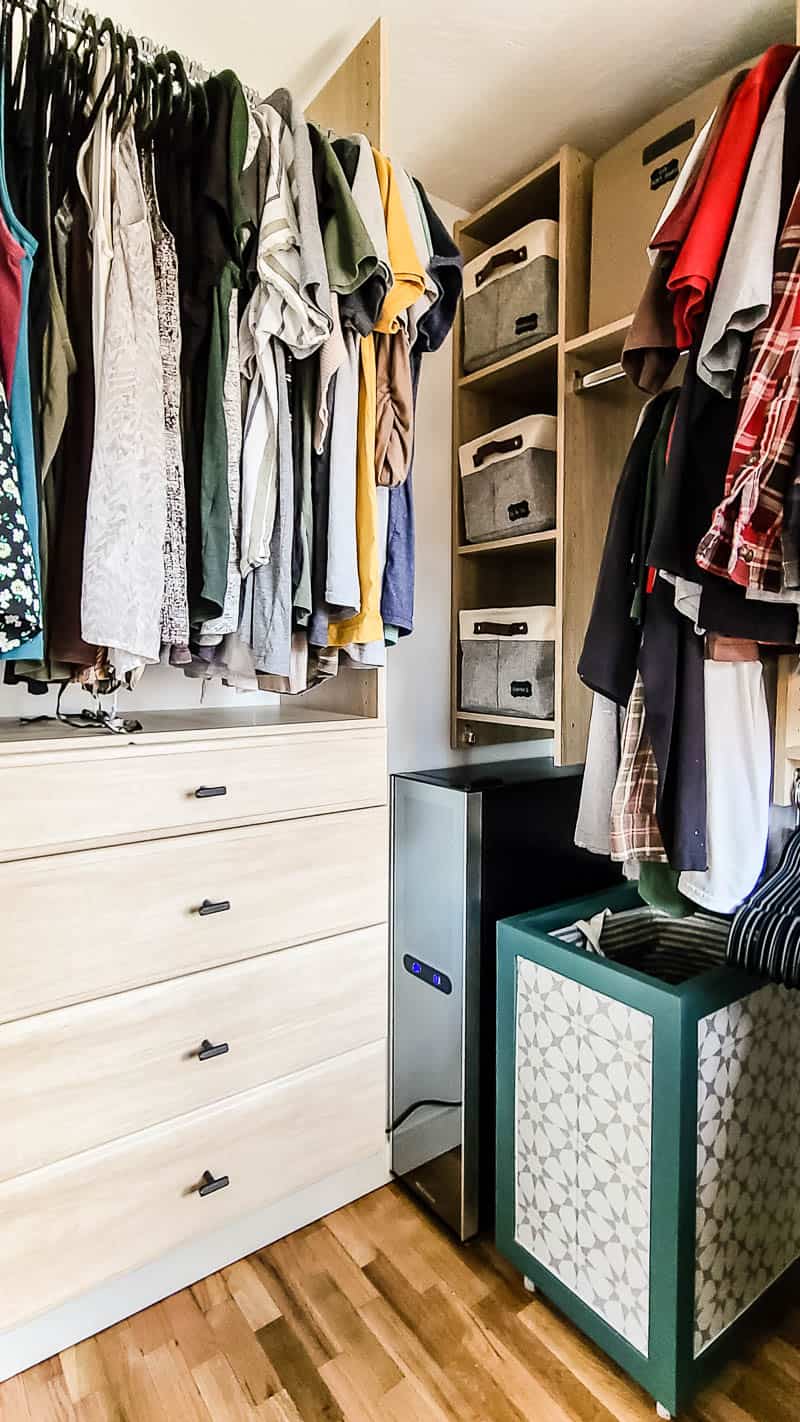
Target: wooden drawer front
(78,926)
(73,1225)
(97,795)
(82,1076)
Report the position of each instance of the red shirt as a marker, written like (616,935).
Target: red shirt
(698,261)
(11,255)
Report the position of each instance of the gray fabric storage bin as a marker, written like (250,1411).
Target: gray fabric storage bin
(511,295)
(508,480)
(508,661)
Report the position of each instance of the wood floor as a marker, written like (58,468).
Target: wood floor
(374,1315)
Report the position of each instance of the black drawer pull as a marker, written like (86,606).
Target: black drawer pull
(208,1050)
(208,906)
(210,792)
(210,1185)
(518,511)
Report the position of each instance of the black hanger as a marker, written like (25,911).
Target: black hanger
(129,78)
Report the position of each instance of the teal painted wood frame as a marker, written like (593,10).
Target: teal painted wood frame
(670,1372)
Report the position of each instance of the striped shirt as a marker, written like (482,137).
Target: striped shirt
(744,542)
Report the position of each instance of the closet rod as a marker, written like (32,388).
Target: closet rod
(603,376)
(73,18)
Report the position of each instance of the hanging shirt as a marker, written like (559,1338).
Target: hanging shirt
(697,264)
(123,569)
(744,290)
(409,286)
(20,402)
(744,541)
(284,307)
(20,611)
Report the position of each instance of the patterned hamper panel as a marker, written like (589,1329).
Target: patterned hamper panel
(748,1155)
(583,1144)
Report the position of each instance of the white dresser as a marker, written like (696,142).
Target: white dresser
(193,1003)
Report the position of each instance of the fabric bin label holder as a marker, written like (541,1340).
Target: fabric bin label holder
(508,480)
(511,295)
(508,661)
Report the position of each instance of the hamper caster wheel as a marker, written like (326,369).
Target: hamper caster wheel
(661,1411)
(529,1285)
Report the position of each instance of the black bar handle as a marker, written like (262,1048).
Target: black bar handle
(525,324)
(510,258)
(210,792)
(209,906)
(496,446)
(500,629)
(210,1185)
(208,1050)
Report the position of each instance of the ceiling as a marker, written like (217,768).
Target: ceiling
(480,92)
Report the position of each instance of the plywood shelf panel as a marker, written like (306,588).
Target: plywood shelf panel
(534,196)
(526,722)
(602,346)
(526,373)
(508,545)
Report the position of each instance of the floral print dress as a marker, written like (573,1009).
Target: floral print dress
(20,604)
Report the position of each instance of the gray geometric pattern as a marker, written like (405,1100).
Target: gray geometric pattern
(583,1144)
(748,1155)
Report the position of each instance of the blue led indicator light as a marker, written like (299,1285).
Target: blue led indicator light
(416,968)
(437,980)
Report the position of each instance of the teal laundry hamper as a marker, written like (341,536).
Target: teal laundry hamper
(648,1145)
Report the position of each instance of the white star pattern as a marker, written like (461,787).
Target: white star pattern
(583,1128)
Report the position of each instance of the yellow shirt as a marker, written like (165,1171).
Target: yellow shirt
(409,285)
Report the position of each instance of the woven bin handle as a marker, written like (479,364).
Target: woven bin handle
(496,446)
(500,629)
(510,258)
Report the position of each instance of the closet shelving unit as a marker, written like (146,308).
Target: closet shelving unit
(552,567)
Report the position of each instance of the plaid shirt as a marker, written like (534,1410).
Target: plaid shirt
(744,541)
(634,827)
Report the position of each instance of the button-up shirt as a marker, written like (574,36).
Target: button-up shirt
(744,541)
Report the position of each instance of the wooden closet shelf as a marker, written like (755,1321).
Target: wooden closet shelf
(534,196)
(190,724)
(603,345)
(532,371)
(504,545)
(520,722)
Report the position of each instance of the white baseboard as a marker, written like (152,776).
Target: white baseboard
(22,1347)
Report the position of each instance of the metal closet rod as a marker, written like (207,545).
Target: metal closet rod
(604,376)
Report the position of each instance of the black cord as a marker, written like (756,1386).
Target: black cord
(409,1111)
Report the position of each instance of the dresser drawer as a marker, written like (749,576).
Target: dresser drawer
(78,926)
(74,1225)
(82,1076)
(100,794)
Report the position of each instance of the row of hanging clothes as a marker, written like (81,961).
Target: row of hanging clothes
(699,584)
(213,318)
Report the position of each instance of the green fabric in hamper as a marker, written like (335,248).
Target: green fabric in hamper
(621,1190)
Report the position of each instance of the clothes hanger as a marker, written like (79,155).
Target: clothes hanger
(129,82)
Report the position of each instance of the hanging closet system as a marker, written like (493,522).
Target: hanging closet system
(201,1067)
(274,255)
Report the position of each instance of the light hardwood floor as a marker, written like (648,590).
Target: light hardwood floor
(374,1315)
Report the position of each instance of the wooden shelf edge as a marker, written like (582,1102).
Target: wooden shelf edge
(497,545)
(520,358)
(600,336)
(519,721)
